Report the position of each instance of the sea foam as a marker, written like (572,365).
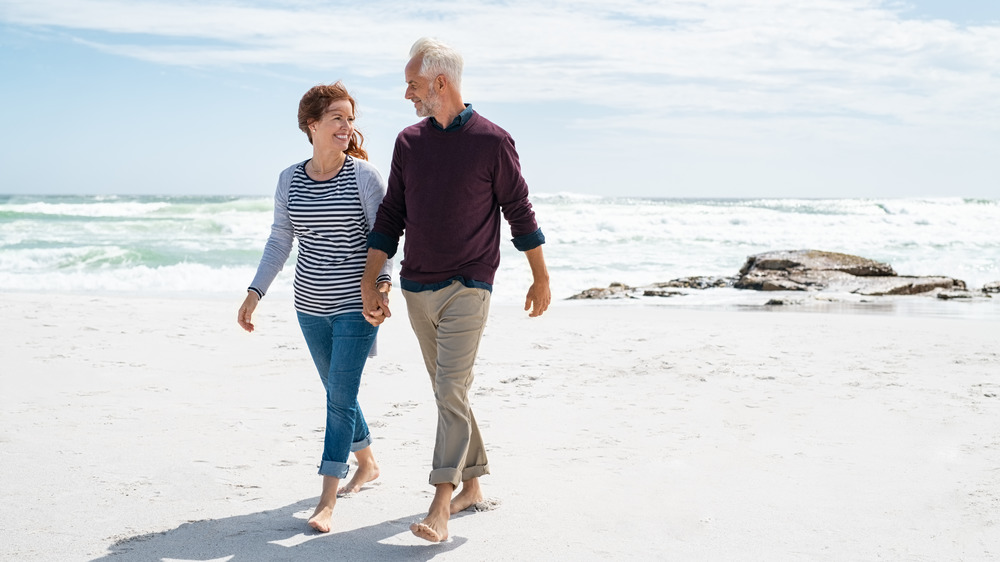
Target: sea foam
(211,245)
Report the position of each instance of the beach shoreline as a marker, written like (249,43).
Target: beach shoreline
(978,306)
(146,428)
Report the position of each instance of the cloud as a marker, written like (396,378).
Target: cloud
(652,63)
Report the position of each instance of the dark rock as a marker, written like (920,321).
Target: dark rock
(991,288)
(621,291)
(661,293)
(813,270)
(951,295)
(697,282)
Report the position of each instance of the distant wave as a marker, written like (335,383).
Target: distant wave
(126,206)
(789,205)
(212,244)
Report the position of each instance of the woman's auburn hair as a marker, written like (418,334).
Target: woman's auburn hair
(316,101)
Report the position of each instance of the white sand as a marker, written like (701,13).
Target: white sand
(145,429)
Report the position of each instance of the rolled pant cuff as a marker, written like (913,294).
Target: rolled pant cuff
(334,468)
(456,476)
(363,444)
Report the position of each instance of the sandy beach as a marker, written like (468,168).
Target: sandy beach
(135,428)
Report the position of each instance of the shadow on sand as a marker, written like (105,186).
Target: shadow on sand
(275,535)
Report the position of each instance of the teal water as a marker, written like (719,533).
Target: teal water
(211,244)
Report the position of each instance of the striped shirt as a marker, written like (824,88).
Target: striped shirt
(330,225)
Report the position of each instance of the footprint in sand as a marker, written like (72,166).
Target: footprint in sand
(400,408)
(488,504)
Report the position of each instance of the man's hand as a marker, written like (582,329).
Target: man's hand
(375,303)
(538,298)
(374,296)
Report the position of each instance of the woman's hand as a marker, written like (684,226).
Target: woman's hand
(384,287)
(246,311)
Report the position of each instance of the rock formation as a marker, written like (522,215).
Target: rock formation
(803,270)
(665,289)
(813,270)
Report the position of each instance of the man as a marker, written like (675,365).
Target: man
(451,177)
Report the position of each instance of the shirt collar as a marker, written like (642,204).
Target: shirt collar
(456,123)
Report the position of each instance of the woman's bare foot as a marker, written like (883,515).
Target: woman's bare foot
(366,472)
(470,495)
(321,518)
(434,527)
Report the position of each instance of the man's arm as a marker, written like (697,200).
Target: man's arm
(375,303)
(539,295)
(383,241)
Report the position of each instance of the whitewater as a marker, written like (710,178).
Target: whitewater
(209,246)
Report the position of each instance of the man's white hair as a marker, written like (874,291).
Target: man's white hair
(438,58)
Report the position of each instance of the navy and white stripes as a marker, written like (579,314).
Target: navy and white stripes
(331,229)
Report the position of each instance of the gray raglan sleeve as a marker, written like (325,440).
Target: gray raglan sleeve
(279,243)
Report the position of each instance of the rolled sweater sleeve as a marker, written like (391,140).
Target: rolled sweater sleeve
(391,217)
(512,194)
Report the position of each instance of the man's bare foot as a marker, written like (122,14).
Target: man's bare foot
(470,495)
(434,527)
(363,475)
(431,529)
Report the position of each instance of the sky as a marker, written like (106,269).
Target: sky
(669,98)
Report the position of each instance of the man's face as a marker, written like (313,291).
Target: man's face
(419,90)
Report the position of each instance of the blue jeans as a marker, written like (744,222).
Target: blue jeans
(339,346)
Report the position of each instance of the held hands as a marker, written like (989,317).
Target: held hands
(375,303)
(246,311)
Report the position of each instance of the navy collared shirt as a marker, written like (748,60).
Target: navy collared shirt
(457,122)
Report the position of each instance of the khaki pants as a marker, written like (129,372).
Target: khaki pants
(449,324)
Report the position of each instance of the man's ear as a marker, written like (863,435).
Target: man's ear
(439,81)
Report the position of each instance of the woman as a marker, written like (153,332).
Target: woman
(328,202)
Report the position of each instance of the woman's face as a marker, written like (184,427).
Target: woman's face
(336,127)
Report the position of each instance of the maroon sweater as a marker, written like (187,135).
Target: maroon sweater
(446,190)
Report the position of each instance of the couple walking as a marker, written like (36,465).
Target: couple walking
(451,177)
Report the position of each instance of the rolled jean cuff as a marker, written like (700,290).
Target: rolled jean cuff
(456,476)
(363,444)
(334,468)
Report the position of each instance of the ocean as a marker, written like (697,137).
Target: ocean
(209,246)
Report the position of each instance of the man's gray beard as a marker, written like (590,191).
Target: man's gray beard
(428,105)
